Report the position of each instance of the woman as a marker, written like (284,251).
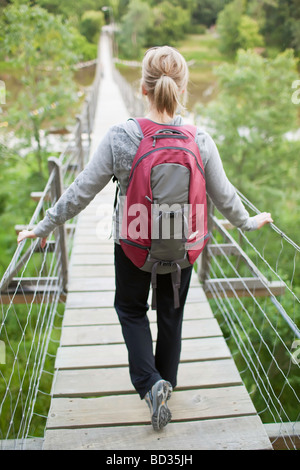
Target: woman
(164,82)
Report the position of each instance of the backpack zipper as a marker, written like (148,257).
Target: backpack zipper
(167,136)
(167,148)
(129,242)
(201,240)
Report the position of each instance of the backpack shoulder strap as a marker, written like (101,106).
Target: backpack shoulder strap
(146,126)
(137,121)
(191,129)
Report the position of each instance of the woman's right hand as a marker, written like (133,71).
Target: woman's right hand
(30,234)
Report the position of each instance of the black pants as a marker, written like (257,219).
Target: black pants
(132,291)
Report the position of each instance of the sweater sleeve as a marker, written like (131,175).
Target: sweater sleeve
(219,188)
(82,191)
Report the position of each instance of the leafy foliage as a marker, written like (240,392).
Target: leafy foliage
(40,45)
(142,26)
(169,25)
(90,25)
(206,11)
(236,29)
(282,24)
(252,121)
(134,24)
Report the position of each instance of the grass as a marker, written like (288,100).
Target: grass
(202,48)
(202,53)
(21,366)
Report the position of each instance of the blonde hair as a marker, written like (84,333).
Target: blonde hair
(165,77)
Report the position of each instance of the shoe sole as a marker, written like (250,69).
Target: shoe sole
(161,414)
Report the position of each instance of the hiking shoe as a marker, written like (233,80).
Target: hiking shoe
(156,399)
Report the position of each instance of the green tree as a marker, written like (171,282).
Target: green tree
(90,25)
(68,9)
(206,11)
(282,24)
(134,24)
(248,33)
(228,25)
(251,118)
(236,29)
(170,23)
(40,46)
(185,4)
(257,9)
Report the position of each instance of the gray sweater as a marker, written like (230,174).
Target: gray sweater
(114,156)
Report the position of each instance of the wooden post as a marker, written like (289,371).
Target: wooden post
(88,120)
(203,274)
(78,140)
(57,190)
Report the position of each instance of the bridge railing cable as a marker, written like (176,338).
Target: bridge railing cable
(253,282)
(32,295)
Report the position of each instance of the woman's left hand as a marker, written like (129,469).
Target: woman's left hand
(263,219)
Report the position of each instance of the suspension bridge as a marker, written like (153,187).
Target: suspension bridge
(61,347)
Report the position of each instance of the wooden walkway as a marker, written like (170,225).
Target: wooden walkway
(94,405)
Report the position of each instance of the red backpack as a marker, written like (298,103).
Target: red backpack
(164,220)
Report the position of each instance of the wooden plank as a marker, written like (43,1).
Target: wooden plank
(30,443)
(24,282)
(90,259)
(32,295)
(114,355)
(89,239)
(90,244)
(242,287)
(109,381)
(95,248)
(91,284)
(109,334)
(96,223)
(108,315)
(99,283)
(106,298)
(221,249)
(238,433)
(37,195)
(90,316)
(90,299)
(91,231)
(90,271)
(284,436)
(243,256)
(130,409)
(97,271)
(99,215)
